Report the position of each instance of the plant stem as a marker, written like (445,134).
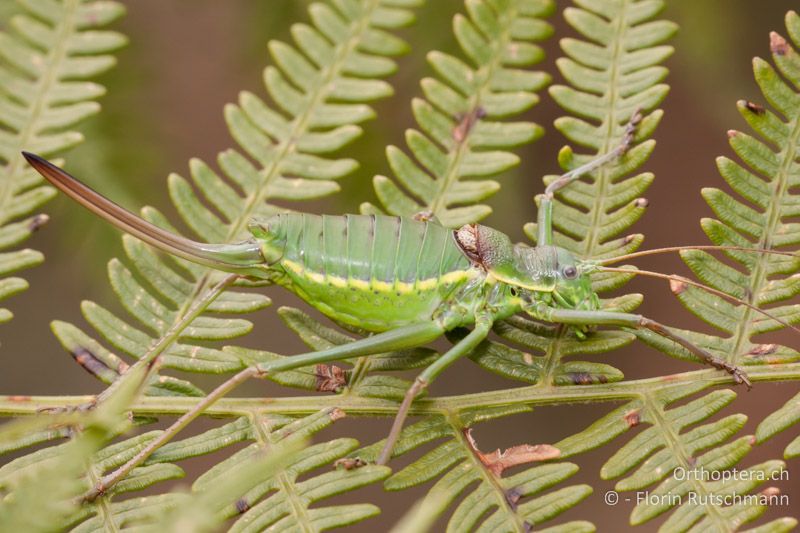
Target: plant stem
(150,359)
(354,405)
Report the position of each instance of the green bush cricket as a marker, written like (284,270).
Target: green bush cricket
(408,280)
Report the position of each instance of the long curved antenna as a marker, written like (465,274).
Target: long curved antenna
(238,258)
(671,249)
(712,290)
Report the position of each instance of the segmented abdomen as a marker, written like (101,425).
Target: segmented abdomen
(374,272)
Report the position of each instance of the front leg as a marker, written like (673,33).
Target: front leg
(612,318)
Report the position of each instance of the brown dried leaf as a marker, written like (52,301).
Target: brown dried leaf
(330,378)
(497,462)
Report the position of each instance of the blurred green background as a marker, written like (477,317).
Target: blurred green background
(187,59)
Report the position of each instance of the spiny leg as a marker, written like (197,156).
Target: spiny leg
(461,348)
(612,318)
(400,338)
(545,217)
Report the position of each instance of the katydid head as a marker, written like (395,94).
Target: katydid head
(527,269)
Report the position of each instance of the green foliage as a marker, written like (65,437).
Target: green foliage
(766,183)
(272,458)
(612,74)
(64,472)
(258,485)
(463,137)
(657,446)
(319,88)
(490,502)
(49,52)
(780,420)
(671,452)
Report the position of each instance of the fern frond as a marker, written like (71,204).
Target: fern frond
(319,90)
(679,453)
(257,485)
(767,182)
(612,74)
(462,136)
(490,501)
(458,141)
(280,499)
(49,53)
(535,337)
(196,513)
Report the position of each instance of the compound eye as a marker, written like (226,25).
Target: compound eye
(570,272)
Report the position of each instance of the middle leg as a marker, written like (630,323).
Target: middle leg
(460,349)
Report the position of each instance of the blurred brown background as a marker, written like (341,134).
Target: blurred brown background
(164,106)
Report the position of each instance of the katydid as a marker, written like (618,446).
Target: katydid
(408,280)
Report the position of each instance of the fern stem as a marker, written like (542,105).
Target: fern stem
(759,273)
(303,405)
(451,175)
(592,239)
(299,510)
(149,359)
(673,441)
